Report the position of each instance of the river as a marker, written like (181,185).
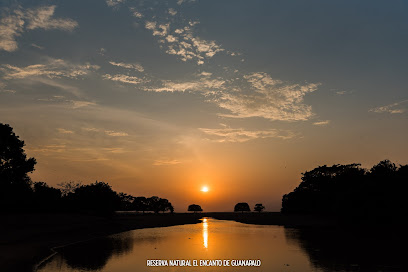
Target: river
(221,245)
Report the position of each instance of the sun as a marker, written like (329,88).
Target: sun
(204,189)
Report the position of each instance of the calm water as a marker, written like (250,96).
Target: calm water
(278,248)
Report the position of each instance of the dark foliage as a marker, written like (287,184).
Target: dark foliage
(259,207)
(351,190)
(15,184)
(242,207)
(44,195)
(96,197)
(194,208)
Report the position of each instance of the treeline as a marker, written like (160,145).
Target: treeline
(351,190)
(19,193)
(96,197)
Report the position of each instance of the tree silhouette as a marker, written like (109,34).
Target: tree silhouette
(126,202)
(349,190)
(194,208)
(154,204)
(157,204)
(68,187)
(242,207)
(15,184)
(140,204)
(45,197)
(171,208)
(97,197)
(259,207)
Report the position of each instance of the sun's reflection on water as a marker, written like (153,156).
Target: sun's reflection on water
(205,233)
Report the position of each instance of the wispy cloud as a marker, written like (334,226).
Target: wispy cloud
(64,131)
(203,85)
(395,108)
(58,148)
(52,68)
(135,12)
(172,12)
(37,46)
(20,20)
(181,41)
(124,79)
(322,123)
(80,104)
(11,27)
(180,2)
(3,88)
(74,104)
(115,133)
(114,3)
(115,150)
(55,83)
(90,129)
(165,162)
(134,66)
(267,98)
(241,135)
(42,17)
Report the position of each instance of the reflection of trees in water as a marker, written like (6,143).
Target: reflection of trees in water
(362,250)
(95,254)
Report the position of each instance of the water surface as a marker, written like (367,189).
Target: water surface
(278,249)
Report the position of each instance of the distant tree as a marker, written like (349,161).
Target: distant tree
(15,184)
(384,168)
(157,204)
(154,204)
(68,187)
(259,207)
(242,207)
(194,208)
(171,208)
(140,204)
(163,205)
(126,202)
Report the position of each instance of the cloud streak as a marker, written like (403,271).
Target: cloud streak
(203,86)
(241,135)
(395,108)
(322,123)
(133,66)
(116,133)
(124,79)
(165,162)
(53,68)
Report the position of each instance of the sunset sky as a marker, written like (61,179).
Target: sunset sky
(165,97)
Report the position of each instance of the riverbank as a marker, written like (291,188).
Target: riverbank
(26,239)
(276,218)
